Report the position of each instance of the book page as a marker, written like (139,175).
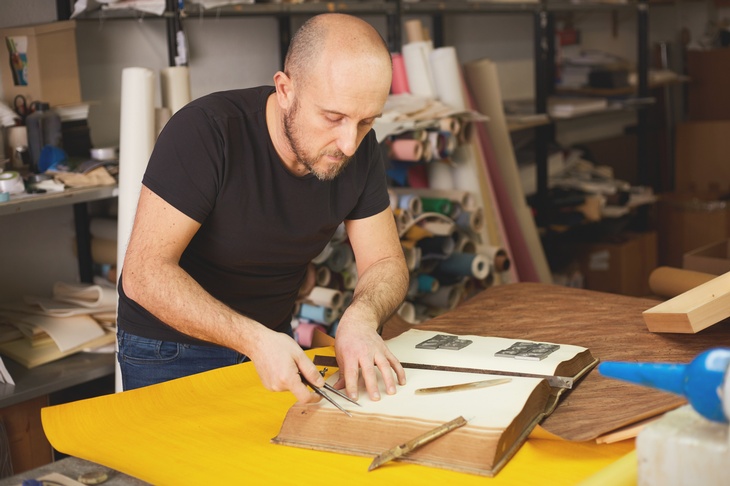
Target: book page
(493,407)
(479,354)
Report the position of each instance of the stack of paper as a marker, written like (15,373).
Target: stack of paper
(47,329)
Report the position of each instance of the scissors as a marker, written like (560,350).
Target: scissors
(21,107)
(328,387)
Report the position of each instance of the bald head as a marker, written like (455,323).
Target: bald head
(328,37)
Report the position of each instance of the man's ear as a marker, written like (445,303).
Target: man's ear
(284,90)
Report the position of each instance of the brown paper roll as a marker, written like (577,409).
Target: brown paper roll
(670,282)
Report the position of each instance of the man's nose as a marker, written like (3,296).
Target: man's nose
(347,139)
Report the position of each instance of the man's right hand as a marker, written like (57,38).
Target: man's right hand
(279,360)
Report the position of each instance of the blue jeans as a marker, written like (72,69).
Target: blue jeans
(146,361)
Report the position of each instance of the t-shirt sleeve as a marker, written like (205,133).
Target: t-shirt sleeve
(186,164)
(374,198)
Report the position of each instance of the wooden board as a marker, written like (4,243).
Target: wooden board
(693,310)
(610,325)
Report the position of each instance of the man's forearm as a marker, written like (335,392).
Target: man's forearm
(380,291)
(177,299)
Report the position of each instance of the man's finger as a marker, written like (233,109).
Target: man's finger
(371,381)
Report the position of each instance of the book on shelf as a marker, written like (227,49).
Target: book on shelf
(499,417)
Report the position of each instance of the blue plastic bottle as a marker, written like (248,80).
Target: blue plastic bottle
(700,382)
(44,129)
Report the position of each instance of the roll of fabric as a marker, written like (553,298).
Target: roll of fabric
(400,77)
(305,332)
(317,313)
(413,257)
(436,246)
(406,150)
(340,258)
(410,202)
(393,199)
(440,175)
(465,264)
(436,205)
(323,276)
(324,254)
(471,220)
(445,298)
(418,176)
(427,284)
(403,219)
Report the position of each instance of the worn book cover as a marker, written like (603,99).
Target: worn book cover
(499,417)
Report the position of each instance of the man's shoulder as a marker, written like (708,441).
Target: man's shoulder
(250,98)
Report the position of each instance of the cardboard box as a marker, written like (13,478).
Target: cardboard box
(707,96)
(619,267)
(713,258)
(702,149)
(40,63)
(689,221)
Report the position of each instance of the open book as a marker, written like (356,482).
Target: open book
(499,417)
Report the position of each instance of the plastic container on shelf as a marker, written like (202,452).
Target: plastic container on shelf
(44,129)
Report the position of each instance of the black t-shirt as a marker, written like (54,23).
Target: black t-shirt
(261,225)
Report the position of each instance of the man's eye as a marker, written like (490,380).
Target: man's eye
(333,119)
(367,122)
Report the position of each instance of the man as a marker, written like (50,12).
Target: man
(242,190)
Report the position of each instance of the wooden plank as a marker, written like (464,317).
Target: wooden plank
(694,310)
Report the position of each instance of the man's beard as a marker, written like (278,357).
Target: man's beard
(292,132)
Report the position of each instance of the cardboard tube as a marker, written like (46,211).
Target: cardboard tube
(670,282)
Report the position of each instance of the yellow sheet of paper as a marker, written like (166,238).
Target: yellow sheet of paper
(216,427)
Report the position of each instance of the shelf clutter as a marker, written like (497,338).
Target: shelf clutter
(40,330)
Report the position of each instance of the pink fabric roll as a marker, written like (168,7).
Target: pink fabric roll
(406,150)
(400,78)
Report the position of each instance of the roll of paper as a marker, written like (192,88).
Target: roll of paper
(136,141)
(415,31)
(175,82)
(670,282)
(325,297)
(520,227)
(162,116)
(446,72)
(418,68)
